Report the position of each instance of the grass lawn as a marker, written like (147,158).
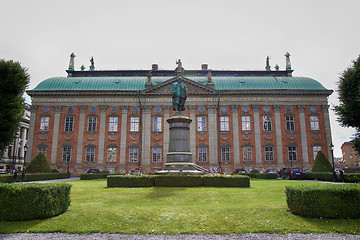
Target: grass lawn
(260,208)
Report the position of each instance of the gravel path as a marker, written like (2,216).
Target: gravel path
(255,236)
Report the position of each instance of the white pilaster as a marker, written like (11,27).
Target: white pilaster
(236,135)
(146,133)
(257,134)
(279,148)
(304,146)
(213,145)
(102,135)
(55,139)
(80,143)
(124,117)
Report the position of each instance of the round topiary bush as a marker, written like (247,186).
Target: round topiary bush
(29,201)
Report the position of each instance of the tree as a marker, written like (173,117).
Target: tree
(348,111)
(38,164)
(13,81)
(321,163)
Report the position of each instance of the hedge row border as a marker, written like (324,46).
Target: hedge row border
(29,177)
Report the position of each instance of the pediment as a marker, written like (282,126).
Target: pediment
(193,88)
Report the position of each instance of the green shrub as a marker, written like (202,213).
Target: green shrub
(178,181)
(261,175)
(39,164)
(326,201)
(91,176)
(130,181)
(321,176)
(226,181)
(321,163)
(105,173)
(20,202)
(352,177)
(254,171)
(29,177)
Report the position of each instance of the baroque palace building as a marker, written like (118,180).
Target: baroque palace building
(116,120)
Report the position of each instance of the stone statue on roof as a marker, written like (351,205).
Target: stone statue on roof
(179,95)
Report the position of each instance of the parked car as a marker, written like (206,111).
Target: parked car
(338,171)
(2,171)
(292,173)
(93,170)
(54,170)
(307,170)
(270,170)
(239,171)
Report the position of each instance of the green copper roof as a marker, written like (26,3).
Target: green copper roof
(135,83)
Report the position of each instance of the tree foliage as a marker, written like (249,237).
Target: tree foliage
(38,164)
(348,111)
(13,81)
(321,163)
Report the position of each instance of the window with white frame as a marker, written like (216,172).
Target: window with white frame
(314,123)
(247,154)
(69,124)
(44,123)
(201,124)
(156,124)
(66,154)
(90,154)
(133,154)
(134,124)
(290,124)
(202,154)
(92,124)
(316,149)
(225,154)
(42,149)
(156,154)
(267,122)
(269,154)
(111,154)
(224,123)
(292,153)
(246,125)
(113,123)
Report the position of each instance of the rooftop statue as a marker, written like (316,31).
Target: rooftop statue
(179,94)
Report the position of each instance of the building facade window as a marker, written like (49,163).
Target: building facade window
(269,154)
(113,124)
(314,123)
(201,124)
(225,154)
(111,155)
(267,123)
(92,124)
(247,154)
(224,123)
(133,154)
(316,149)
(292,153)
(202,154)
(44,123)
(290,124)
(90,154)
(156,154)
(245,121)
(156,124)
(42,149)
(66,154)
(69,124)
(134,124)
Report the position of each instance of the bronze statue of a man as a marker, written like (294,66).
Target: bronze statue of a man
(179,94)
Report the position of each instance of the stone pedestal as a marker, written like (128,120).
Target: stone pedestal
(179,157)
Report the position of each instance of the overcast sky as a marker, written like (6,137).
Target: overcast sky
(322,37)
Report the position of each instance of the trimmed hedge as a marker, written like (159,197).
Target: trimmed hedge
(261,175)
(325,201)
(226,181)
(130,181)
(20,202)
(326,176)
(29,177)
(91,176)
(177,181)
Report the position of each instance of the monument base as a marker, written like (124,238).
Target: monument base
(180,168)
